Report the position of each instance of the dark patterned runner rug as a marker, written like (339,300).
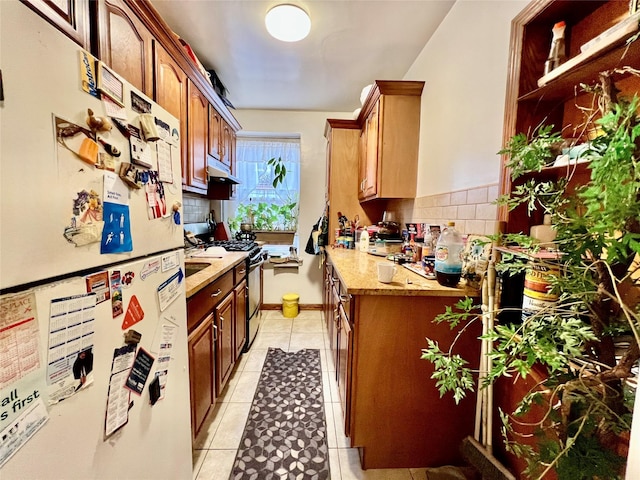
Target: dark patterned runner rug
(285,437)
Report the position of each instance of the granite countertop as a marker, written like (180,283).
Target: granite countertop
(358,272)
(217,267)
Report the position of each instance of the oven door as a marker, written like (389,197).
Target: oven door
(255,300)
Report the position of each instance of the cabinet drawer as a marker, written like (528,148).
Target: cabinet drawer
(203,302)
(240,271)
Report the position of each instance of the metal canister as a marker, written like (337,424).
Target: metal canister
(538,292)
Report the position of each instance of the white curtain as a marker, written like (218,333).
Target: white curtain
(256,176)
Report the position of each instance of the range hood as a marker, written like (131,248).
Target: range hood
(220,175)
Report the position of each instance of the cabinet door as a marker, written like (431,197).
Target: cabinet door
(215,133)
(197,131)
(362,161)
(202,382)
(369,188)
(227,141)
(69,16)
(171,94)
(225,348)
(344,364)
(326,299)
(125,44)
(333,324)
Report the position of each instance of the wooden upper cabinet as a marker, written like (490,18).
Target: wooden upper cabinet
(197,131)
(171,94)
(390,121)
(534,99)
(228,144)
(69,16)
(369,170)
(125,44)
(215,133)
(344,144)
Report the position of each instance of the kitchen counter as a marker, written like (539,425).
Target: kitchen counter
(393,410)
(358,272)
(217,267)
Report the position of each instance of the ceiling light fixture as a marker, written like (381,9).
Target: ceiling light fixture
(288,23)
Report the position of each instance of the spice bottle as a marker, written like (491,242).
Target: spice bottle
(557,53)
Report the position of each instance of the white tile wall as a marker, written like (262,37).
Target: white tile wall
(195,209)
(473,209)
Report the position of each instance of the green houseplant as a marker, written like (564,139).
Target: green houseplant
(273,222)
(588,342)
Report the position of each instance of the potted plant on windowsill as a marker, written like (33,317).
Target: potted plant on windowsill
(275,223)
(586,343)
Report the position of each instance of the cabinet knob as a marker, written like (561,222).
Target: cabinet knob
(242,272)
(216,293)
(215,333)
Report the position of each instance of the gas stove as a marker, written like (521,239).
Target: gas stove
(234,245)
(256,255)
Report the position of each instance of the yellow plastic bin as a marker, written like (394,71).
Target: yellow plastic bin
(290,305)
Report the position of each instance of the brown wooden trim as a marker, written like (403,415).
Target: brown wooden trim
(340,123)
(388,87)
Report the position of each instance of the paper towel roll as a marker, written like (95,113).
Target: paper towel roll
(545,234)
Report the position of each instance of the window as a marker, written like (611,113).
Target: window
(252,155)
(256,190)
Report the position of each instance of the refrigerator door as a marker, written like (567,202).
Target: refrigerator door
(87,436)
(45,186)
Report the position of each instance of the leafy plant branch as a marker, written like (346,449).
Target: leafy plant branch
(583,398)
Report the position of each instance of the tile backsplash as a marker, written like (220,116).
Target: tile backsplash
(473,209)
(195,208)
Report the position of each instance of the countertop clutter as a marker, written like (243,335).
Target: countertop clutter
(216,268)
(358,271)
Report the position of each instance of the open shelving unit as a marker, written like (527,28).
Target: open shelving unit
(558,101)
(534,99)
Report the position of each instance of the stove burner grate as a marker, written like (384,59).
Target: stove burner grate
(234,245)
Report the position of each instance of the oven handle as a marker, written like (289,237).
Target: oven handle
(253,266)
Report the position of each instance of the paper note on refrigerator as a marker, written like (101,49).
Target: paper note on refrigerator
(18,337)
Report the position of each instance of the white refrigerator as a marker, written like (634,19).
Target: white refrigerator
(94,380)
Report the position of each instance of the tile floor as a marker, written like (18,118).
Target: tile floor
(215,449)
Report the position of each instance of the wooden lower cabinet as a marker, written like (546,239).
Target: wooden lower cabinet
(392,409)
(343,369)
(397,415)
(216,319)
(225,346)
(202,380)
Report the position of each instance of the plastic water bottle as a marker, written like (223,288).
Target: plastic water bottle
(448,264)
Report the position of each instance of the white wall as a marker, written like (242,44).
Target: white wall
(310,125)
(464,67)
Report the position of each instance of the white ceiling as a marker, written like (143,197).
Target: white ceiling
(352,43)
